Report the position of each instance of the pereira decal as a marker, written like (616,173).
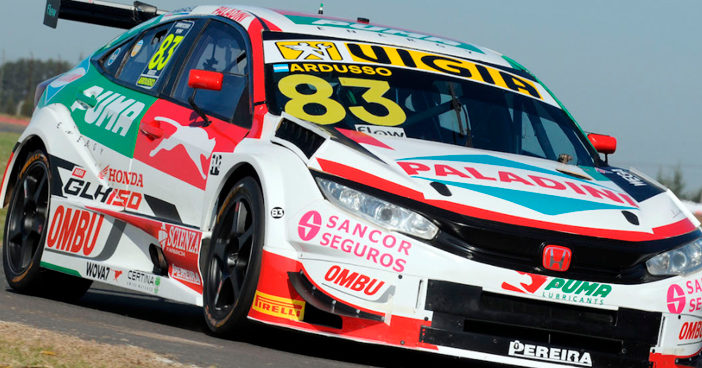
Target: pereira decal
(74,231)
(556,288)
(355,238)
(279,307)
(549,354)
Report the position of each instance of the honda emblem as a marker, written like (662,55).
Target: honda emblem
(557,258)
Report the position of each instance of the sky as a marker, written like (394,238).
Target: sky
(626,68)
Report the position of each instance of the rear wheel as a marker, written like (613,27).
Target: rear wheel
(233,260)
(25,233)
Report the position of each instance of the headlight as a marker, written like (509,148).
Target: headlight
(376,210)
(678,261)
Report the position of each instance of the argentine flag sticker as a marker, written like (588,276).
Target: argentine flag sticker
(277,68)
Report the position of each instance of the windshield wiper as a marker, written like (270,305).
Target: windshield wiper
(458,107)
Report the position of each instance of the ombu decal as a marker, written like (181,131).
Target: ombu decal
(74,231)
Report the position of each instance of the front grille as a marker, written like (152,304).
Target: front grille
(466,317)
(521,248)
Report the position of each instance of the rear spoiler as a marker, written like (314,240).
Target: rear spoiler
(102,13)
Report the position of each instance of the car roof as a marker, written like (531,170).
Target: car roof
(320,25)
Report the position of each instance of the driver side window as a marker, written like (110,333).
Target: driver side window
(221,48)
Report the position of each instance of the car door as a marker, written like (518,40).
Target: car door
(175,145)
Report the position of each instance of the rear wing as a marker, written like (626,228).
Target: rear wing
(102,13)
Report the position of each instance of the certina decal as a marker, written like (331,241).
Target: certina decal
(182,274)
(577,291)
(116,109)
(690,331)
(355,239)
(74,231)
(179,240)
(378,130)
(549,354)
(677,297)
(143,281)
(199,143)
(122,177)
(551,195)
(279,307)
(113,197)
(354,281)
(97,271)
(309,50)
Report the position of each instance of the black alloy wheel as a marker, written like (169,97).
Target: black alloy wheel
(25,234)
(234,258)
(25,226)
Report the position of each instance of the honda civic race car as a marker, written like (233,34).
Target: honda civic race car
(351,180)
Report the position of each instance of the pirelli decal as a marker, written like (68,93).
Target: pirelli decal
(382,55)
(279,307)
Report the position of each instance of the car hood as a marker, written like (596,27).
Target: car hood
(521,190)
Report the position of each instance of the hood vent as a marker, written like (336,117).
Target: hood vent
(306,140)
(441,188)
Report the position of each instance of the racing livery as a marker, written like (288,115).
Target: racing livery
(352,180)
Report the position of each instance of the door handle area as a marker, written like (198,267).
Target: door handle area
(152,130)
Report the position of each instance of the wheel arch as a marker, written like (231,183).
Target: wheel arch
(30,144)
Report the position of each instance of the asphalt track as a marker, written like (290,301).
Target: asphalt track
(111,315)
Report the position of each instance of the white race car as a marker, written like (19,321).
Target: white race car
(346,179)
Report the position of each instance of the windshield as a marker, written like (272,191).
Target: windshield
(458,108)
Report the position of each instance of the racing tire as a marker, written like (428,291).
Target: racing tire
(25,234)
(233,259)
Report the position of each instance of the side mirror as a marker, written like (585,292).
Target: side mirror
(203,79)
(603,143)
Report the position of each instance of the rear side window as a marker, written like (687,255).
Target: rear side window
(151,55)
(113,59)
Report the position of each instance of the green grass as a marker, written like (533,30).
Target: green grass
(7,141)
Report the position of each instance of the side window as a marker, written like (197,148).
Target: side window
(221,48)
(152,53)
(113,59)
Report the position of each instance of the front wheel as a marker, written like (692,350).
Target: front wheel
(233,260)
(25,234)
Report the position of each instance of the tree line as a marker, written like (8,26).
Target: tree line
(19,79)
